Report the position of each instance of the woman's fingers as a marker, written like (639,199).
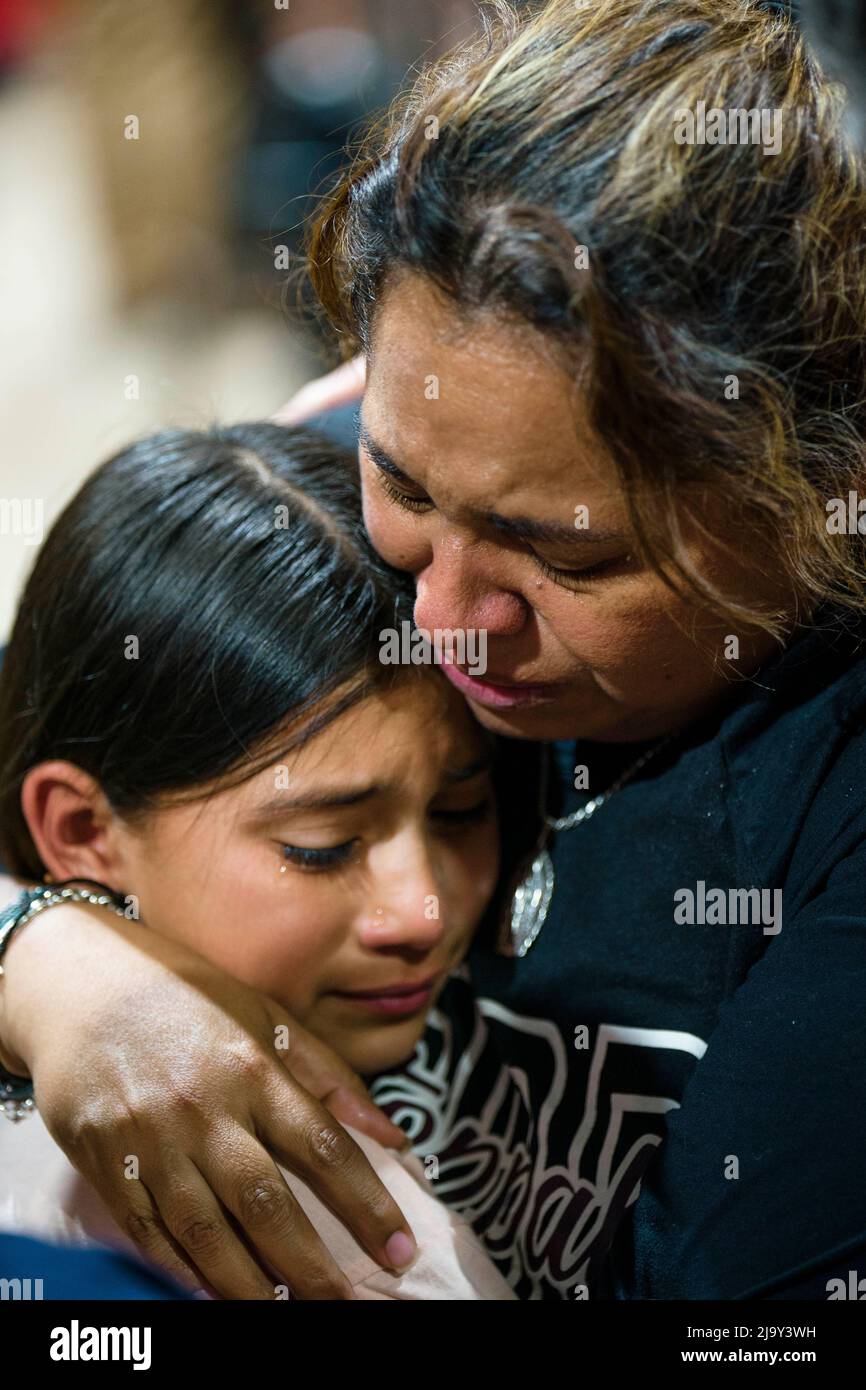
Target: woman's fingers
(339,387)
(307,1140)
(360,1112)
(136,1214)
(239,1178)
(327,1077)
(252,1188)
(184,1222)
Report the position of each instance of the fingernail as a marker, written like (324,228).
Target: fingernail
(400,1250)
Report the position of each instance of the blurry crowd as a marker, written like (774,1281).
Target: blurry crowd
(160,159)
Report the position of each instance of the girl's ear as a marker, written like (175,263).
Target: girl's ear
(71,823)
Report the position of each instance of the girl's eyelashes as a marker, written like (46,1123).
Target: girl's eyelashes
(402,499)
(470,815)
(335,856)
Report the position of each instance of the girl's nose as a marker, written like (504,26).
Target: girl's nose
(404,910)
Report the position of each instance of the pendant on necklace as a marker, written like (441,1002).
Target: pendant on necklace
(529,906)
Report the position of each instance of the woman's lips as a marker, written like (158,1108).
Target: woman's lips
(396,999)
(497,696)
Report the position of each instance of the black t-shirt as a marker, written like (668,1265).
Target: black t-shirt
(666,1097)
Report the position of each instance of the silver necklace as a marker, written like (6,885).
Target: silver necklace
(532,897)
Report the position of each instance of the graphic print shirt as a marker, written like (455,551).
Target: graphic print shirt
(666,1097)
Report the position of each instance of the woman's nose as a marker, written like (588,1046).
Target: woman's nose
(457,590)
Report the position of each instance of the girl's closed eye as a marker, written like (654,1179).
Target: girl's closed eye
(328,857)
(466,815)
(314,860)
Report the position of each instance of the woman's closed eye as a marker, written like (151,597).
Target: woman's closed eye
(573,578)
(409,501)
(566,577)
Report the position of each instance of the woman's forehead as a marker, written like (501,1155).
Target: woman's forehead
(488,410)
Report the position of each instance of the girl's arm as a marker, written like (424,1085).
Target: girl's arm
(139,1048)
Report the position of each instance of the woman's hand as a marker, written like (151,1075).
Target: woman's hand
(340,387)
(141,1050)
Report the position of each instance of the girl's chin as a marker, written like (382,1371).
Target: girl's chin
(383,1049)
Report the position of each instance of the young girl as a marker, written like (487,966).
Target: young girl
(193,713)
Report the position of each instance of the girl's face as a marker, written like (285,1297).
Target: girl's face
(344,881)
(478,480)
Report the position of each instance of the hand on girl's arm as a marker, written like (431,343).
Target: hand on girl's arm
(138,1046)
(342,386)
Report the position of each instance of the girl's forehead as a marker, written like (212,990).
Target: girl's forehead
(412,730)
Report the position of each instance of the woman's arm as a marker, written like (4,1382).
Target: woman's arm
(758,1191)
(342,386)
(139,1048)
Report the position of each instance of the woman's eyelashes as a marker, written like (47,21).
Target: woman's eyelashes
(565,577)
(403,499)
(573,578)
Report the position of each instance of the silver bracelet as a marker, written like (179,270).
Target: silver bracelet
(16,1092)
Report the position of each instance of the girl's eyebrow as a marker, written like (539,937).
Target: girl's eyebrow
(337,797)
(522,528)
(284,804)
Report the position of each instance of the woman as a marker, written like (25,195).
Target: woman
(216,742)
(615,401)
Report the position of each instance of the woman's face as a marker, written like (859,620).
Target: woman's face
(357,866)
(479,481)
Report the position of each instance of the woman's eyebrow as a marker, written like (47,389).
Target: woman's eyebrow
(522,528)
(379,456)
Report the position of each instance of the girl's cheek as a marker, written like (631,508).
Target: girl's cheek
(478,872)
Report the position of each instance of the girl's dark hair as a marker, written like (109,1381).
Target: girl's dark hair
(201,589)
(711,298)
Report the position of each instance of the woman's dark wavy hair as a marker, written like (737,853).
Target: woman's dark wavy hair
(706,262)
(237,560)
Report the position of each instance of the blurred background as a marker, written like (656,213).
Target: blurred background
(159,159)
